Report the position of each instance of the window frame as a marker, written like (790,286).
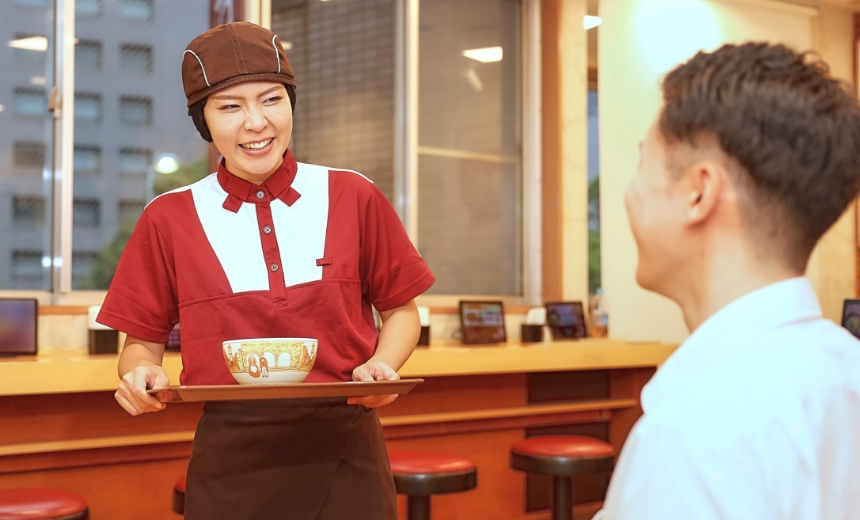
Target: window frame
(406,149)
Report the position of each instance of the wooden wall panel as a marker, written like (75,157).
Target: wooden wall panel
(141,491)
(551,181)
(63,417)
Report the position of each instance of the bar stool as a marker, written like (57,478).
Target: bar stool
(42,504)
(562,457)
(179,496)
(419,474)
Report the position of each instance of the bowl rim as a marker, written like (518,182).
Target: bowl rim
(267,339)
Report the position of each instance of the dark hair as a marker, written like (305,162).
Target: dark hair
(196,113)
(793,129)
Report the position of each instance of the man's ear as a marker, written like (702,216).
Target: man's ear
(704,187)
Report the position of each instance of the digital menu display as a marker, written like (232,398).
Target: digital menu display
(483,322)
(851,316)
(566,320)
(18,326)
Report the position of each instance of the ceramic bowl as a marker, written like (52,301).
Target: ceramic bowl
(270,360)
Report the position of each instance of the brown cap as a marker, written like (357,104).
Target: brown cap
(230,54)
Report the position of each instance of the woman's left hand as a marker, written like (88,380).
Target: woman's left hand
(374,371)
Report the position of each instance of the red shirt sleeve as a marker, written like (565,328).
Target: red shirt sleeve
(142,298)
(392,271)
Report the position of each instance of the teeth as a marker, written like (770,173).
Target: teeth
(256,146)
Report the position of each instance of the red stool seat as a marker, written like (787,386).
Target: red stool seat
(42,504)
(562,455)
(179,496)
(428,462)
(419,474)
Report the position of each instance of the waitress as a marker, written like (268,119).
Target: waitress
(268,247)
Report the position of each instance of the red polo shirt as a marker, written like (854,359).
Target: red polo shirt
(305,254)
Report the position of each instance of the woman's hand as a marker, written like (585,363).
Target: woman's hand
(374,371)
(132,395)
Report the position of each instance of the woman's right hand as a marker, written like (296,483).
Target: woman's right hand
(132,395)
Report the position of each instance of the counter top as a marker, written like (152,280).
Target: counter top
(76,371)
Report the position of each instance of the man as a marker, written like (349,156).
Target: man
(753,156)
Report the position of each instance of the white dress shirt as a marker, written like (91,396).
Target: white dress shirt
(756,416)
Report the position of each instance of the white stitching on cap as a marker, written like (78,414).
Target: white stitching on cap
(277,54)
(201,65)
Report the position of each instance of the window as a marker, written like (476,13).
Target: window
(130,210)
(88,159)
(136,58)
(29,50)
(88,7)
(135,161)
(86,212)
(33,3)
(30,102)
(342,54)
(137,9)
(469,141)
(82,267)
(28,210)
(29,154)
(135,110)
(88,55)
(88,107)
(29,268)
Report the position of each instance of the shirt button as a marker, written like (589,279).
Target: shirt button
(267,229)
(260,195)
(273,267)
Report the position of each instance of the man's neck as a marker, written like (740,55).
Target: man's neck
(722,280)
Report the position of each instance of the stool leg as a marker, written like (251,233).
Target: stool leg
(561,499)
(418,507)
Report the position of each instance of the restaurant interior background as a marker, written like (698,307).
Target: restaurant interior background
(504,132)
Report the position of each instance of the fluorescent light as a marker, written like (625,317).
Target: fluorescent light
(590,22)
(167,163)
(33,43)
(485,55)
(37,80)
(287,45)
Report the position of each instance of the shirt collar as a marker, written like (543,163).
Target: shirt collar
(277,186)
(711,345)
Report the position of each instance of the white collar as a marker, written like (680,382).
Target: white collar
(712,344)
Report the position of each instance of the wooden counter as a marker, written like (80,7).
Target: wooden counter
(60,425)
(75,371)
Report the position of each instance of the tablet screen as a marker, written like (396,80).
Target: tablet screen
(851,317)
(18,326)
(483,322)
(566,320)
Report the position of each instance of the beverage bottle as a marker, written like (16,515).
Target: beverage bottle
(599,316)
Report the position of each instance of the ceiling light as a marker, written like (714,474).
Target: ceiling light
(2,108)
(287,45)
(590,22)
(167,163)
(33,43)
(37,80)
(485,55)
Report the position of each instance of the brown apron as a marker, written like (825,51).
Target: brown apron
(309,459)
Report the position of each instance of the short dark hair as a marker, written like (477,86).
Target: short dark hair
(792,128)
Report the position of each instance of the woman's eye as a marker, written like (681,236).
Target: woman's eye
(273,100)
(228,107)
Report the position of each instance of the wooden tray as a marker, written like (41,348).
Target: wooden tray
(282,391)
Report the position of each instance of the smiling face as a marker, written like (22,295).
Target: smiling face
(251,125)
